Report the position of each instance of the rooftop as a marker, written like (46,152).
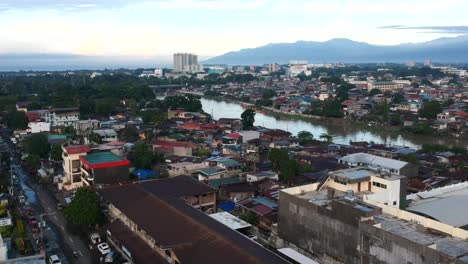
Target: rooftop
(451,246)
(446,204)
(230,220)
(77,149)
(103,159)
(193,236)
(375,161)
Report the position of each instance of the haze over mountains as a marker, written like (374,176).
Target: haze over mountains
(443,50)
(446,50)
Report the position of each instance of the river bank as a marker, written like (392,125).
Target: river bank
(343,130)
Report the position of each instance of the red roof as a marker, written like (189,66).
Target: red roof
(462,113)
(191,126)
(234,135)
(32,116)
(77,149)
(172,144)
(115,144)
(347,102)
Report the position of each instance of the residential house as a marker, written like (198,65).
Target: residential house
(380,163)
(177,148)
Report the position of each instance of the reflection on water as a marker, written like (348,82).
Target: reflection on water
(342,133)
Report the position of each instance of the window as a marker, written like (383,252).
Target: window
(394,202)
(380,185)
(340,182)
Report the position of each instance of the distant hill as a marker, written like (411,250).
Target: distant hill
(453,50)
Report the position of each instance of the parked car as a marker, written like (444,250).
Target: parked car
(95,238)
(54,259)
(103,248)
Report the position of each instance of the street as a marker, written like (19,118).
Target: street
(44,204)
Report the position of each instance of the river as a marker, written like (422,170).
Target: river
(342,132)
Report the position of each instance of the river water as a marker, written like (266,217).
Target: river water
(342,132)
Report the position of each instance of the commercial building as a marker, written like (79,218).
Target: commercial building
(384,86)
(104,168)
(187,62)
(158,216)
(56,117)
(72,174)
(298,67)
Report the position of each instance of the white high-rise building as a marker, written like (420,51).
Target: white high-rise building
(186,62)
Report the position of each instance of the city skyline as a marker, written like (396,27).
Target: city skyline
(213,27)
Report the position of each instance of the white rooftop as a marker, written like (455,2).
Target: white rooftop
(375,161)
(230,220)
(446,204)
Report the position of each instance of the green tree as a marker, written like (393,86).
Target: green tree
(56,152)
(38,145)
(276,156)
(33,161)
(250,218)
(327,138)
(84,209)
(16,120)
(248,118)
(431,109)
(394,119)
(143,156)
(268,93)
(203,152)
(289,169)
(375,92)
(305,137)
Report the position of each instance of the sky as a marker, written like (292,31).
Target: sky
(213,27)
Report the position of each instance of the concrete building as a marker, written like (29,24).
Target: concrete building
(56,117)
(38,127)
(380,164)
(187,62)
(104,168)
(298,67)
(156,222)
(384,86)
(339,227)
(106,135)
(72,175)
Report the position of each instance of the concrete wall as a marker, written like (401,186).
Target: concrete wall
(319,230)
(380,246)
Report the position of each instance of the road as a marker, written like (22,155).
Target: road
(45,204)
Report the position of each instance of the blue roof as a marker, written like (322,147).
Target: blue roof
(266,201)
(211,170)
(227,206)
(145,174)
(218,182)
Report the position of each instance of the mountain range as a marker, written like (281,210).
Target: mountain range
(444,50)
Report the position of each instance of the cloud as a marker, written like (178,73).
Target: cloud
(431,29)
(81,5)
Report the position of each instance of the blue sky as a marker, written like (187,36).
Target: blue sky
(213,27)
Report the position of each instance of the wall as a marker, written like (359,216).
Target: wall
(318,230)
(380,246)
